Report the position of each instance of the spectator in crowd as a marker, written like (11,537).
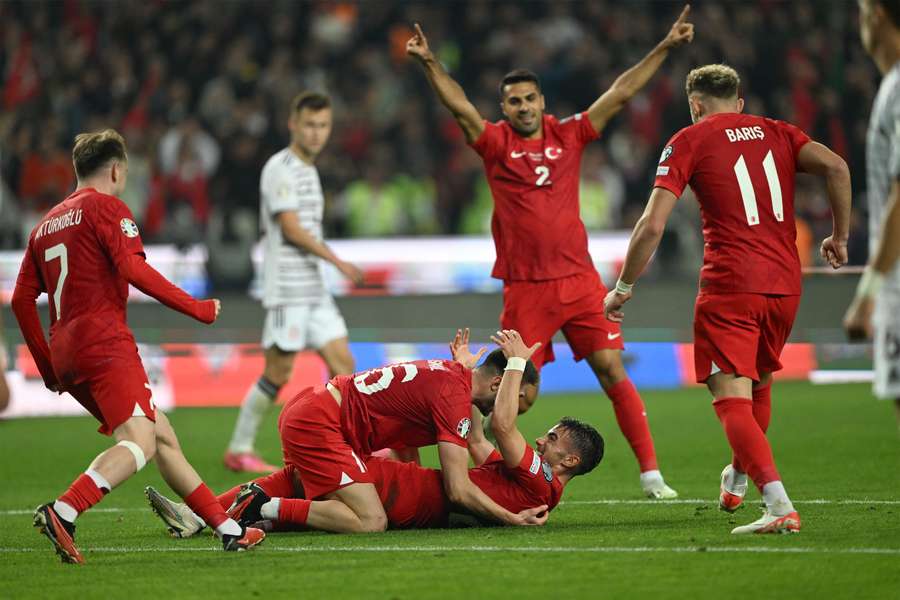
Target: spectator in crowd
(220,74)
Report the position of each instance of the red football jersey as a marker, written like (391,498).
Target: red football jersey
(406,405)
(537,227)
(528,485)
(72,256)
(741,168)
(413,496)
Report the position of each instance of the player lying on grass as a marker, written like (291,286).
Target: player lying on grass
(514,475)
(83,254)
(326,430)
(742,169)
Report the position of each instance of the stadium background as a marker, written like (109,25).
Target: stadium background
(201,90)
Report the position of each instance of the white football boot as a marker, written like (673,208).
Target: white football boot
(179,518)
(732,489)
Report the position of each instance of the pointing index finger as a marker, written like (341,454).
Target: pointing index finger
(681,18)
(419,31)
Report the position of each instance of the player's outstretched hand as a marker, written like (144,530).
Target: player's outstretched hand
(417,46)
(612,305)
(512,344)
(218,304)
(459,350)
(351,272)
(532,516)
(834,252)
(682,32)
(858,319)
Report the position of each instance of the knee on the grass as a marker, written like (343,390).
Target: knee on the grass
(373,523)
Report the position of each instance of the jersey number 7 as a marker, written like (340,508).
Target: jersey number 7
(52,253)
(748,195)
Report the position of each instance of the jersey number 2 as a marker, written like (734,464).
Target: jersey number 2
(387,376)
(54,252)
(543,173)
(748,195)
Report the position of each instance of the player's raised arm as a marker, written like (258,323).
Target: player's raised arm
(644,240)
(449,92)
(479,446)
(506,406)
(631,81)
(818,160)
(24,307)
(462,492)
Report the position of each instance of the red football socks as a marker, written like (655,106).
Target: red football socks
(762,412)
(632,418)
(279,484)
(294,510)
(747,440)
(83,494)
(204,504)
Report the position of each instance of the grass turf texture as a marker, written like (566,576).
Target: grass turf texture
(832,443)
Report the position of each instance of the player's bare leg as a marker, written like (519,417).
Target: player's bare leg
(734,406)
(262,394)
(56,520)
(631,416)
(184,481)
(366,511)
(337,357)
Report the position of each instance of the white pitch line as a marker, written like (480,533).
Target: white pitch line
(706,501)
(542,549)
(611,501)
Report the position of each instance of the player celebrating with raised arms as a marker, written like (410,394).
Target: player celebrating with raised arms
(532,161)
(742,169)
(83,254)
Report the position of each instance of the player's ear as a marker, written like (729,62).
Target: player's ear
(740,105)
(571,461)
(495,383)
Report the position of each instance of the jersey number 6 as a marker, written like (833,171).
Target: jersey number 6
(387,376)
(54,252)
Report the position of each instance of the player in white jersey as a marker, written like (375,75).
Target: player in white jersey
(876,307)
(300,313)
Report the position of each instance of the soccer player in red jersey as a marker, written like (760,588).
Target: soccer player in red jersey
(327,432)
(516,477)
(532,162)
(741,168)
(83,254)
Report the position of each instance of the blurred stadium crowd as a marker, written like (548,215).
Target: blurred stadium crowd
(201,89)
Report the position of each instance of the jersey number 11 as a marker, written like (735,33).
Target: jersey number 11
(748,195)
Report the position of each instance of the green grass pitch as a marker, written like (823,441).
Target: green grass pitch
(837,449)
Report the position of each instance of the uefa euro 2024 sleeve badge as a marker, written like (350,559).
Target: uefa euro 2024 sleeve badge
(129,227)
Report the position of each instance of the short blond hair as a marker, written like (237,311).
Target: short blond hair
(93,150)
(717,81)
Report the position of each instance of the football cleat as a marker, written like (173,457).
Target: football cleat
(180,520)
(60,532)
(769,523)
(247,504)
(657,489)
(731,499)
(250,537)
(247,462)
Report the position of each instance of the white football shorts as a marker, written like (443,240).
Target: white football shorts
(295,327)
(887,345)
